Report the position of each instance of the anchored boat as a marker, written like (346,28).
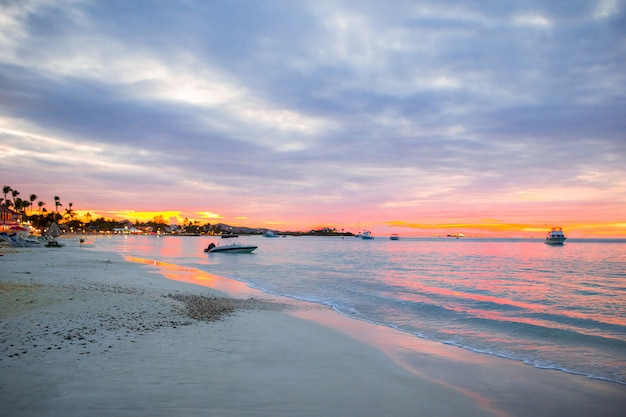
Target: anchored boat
(235,247)
(367,235)
(555,236)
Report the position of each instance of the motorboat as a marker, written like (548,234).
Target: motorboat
(456,235)
(235,247)
(366,235)
(555,236)
(394,236)
(270,233)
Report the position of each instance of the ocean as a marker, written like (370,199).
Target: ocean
(556,307)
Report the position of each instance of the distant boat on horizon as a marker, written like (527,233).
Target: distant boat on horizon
(456,235)
(394,236)
(366,235)
(555,236)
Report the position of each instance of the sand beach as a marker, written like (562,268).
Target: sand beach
(88,333)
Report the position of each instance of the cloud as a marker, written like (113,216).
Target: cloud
(532,20)
(607,8)
(274,106)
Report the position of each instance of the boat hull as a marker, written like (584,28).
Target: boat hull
(233,249)
(555,240)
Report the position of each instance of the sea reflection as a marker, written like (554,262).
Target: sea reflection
(518,298)
(197,277)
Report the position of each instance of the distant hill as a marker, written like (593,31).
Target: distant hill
(240,229)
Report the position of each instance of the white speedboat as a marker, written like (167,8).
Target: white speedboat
(366,235)
(555,236)
(394,236)
(235,247)
(270,233)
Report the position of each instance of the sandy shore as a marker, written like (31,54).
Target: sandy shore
(86,333)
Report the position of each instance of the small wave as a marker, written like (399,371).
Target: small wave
(515,356)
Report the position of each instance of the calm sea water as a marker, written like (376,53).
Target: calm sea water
(560,307)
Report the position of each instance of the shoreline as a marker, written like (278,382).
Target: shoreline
(78,327)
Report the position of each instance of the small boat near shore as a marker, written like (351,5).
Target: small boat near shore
(235,247)
(555,236)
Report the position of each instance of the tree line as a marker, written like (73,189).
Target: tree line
(34,210)
(37,214)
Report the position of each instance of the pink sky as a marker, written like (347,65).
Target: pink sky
(420,119)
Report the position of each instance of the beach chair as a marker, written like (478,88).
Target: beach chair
(12,239)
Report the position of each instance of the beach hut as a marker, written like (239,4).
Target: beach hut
(8,218)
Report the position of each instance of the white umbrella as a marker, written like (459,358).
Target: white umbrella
(53,230)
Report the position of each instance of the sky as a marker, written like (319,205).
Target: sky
(410,117)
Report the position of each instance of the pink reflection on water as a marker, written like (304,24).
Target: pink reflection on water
(195,276)
(530,282)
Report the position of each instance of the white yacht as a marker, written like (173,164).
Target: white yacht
(555,236)
(366,235)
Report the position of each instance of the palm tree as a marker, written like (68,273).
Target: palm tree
(33,198)
(69,212)
(57,204)
(41,204)
(6,190)
(14,193)
(20,205)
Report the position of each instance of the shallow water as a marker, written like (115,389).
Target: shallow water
(561,307)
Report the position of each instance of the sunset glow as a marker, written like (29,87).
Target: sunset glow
(413,119)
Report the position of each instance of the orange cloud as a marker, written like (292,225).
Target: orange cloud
(582,229)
